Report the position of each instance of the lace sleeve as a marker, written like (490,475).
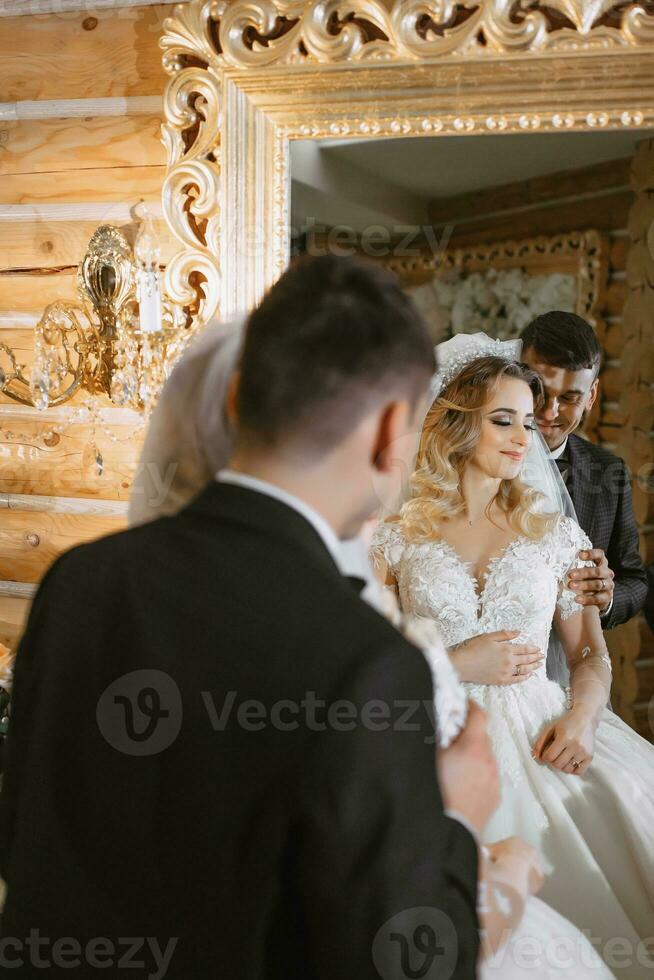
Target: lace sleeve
(387,545)
(570,541)
(450,698)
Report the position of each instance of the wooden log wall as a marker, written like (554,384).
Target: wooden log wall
(636,441)
(80,115)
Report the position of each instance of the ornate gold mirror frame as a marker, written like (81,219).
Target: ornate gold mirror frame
(582,255)
(251,75)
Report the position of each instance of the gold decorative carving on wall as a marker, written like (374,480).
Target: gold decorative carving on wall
(273,32)
(582,254)
(248,76)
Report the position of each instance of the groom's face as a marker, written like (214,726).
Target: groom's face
(569,395)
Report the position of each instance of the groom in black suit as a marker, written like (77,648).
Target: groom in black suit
(564,350)
(221,760)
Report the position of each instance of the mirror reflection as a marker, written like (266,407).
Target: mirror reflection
(459,218)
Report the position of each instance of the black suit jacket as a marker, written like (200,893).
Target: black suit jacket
(601,493)
(270,843)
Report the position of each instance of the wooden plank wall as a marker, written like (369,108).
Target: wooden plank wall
(637,400)
(80,114)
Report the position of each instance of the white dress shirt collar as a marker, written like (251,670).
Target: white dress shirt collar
(557,453)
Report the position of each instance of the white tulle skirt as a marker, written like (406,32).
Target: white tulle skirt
(596,831)
(544,946)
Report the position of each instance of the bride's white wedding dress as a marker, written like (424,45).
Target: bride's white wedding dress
(543,945)
(596,831)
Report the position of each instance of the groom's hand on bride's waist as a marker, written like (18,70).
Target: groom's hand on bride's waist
(593,584)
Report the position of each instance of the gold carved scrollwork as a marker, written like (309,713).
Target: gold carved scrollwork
(583,254)
(637,26)
(191,135)
(273,32)
(583,13)
(210,45)
(260,33)
(189,33)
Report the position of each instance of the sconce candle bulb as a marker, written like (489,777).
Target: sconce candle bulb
(147,255)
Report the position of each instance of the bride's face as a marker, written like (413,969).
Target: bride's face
(506,431)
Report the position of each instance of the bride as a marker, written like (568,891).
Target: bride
(477,550)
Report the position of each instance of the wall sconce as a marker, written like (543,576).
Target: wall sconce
(122,339)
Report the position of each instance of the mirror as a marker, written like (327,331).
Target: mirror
(484,233)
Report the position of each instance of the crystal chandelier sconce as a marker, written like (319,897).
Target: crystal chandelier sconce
(120,341)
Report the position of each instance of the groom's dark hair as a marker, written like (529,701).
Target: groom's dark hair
(331,338)
(563,340)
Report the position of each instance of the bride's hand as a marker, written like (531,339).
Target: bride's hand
(569,743)
(491,659)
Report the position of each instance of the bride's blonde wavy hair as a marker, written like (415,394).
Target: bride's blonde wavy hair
(450,433)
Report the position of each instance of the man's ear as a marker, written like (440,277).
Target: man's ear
(592,395)
(392,432)
(230,398)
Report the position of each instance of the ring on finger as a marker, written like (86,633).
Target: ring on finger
(575,764)
(517,671)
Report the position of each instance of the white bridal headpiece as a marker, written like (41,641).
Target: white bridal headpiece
(453,355)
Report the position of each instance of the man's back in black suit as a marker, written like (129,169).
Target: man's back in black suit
(236,841)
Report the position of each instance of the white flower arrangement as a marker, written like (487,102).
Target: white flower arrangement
(499,302)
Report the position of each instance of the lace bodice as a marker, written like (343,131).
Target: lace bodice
(524,583)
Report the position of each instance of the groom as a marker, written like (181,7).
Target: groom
(221,760)
(563,349)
